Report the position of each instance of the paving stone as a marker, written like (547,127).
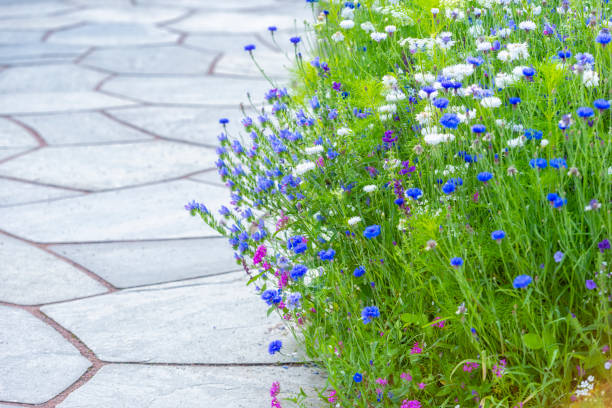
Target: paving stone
(37,102)
(20,36)
(169,59)
(193,91)
(149,212)
(209,320)
(15,192)
(101,167)
(228,42)
(198,125)
(37,22)
(139,386)
(241,22)
(224,5)
(81,127)
(39,53)
(113,34)
(128,264)
(126,14)
(7,152)
(275,65)
(66,78)
(31,276)
(19,8)
(211,177)
(36,362)
(13,135)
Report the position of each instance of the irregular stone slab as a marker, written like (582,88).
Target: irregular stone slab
(241,22)
(66,78)
(17,8)
(211,177)
(13,135)
(36,362)
(31,276)
(127,14)
(36,102)
(209,320)
(149,212)
(225,5)
(102,167)
(198,125)
(138,386)
(128,264)
(20,36)
(81,127)
(15,192)
(7,152)
(227,42)
(38,23)
(39,53)
(113,34)
(192,91)
(169,59)
(274,65)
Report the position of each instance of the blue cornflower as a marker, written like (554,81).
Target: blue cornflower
(539,163)
(590,284)
(558,163)
(372,231)
(359,271)
(521,281)
(295,40)
(585,112)
(357,377)
(414,193)
(327,255)
(484,176)
(515,100)
(478,128)
(498,235)
(368,313)
(298,271)
(275,346)
(476,61)
(272,29)
(558,256)
(440,103)
(294,299)
(556,200)
(450,120)
(224,211)
(456,261)
(224,121)
(271,296)
(528,72)
(601,104)
(448,187)
(249,47)
(603,37)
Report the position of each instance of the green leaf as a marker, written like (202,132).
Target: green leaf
(411,318)
(533,341)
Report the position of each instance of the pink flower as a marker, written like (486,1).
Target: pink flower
(260,253)
(416,349)
(439,323)
(469,367)
(382,381)
(410,404)
(332,397)
(406,376)
(275,389)
(421,385)
(320,162)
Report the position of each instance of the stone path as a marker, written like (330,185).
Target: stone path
(110,294)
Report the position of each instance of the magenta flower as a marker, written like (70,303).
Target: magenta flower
(416,349)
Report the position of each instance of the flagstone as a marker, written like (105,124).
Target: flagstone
(19,8)
(39,52)
(140,386)
(106,166)
(274,65)
(31,276)
(210,90)
(36,362)
(20,37)
(148,212)
(211,177)
(241,22)
(128,264)
(168,59)
(6,152)
(81,127)
(223,5)
(198,125)
(66,78)
(113,34)
(228,42)
(15,192)
(37,102)
(209,320)
(127,14)
(13,135)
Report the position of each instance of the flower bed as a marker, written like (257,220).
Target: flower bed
(430,204)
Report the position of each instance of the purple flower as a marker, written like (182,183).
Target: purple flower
(522,281)
(558,256)
(590,284)
(603,245)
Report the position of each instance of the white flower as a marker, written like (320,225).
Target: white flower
(476,31)
(353,220)
(426,78)
(435,11)
(389,81)
(537,10)
(502,80)
(378,37)
(347,13)
(437,138)
(444,40)
(519,141)
(527,25)
(304,167)
(504,33)
(544,142)
(314,149)
(503,56)
(455,14)
(390,108)
(484,46)
(370,188)
(390,29)
(337,36)
(491,102)
(458,72)
(344,131)
(395,95)
(608,364)
(517,50)
(347,24)
(590,78)
(367,26)
(518,71)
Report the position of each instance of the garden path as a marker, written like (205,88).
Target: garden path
(111,295)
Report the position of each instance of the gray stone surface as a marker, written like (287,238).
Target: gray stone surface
(114,34)
(152,60)
(38,22)
(13,135)
(149,212)
(36,362)
(20,36)
(31,276)
(15,192)
(211,177)
(107,166)
(208,90)
(208,320)
(66,78)
(7,152)
(233,43)
(81,128)
(19,8)
(39,102)
(126,264)
(242,22)
(214,5)
(37,52)
(198,125)
(274,64)
(138,386)
(126,13)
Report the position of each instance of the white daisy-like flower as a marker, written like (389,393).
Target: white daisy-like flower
(304,167)
(517,50)
(367,26)
(437,138)
(527,25)
(370,188)
(353,220)
(502,80)
(337,36)
(590,78)
(347,13)
(314,149)
(378,37)
(491,102)
(347,24)
(343,131)
(504,33)
(504,56)
(458,72)
(390,29)
(389,81)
